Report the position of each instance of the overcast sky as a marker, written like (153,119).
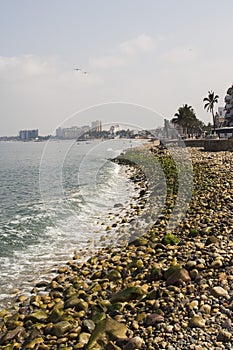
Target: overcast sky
(158,54)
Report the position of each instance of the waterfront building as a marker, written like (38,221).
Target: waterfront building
(96,126)
(27,135)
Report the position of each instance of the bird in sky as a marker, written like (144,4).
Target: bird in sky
(77,69)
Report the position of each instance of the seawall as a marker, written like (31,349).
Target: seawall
(211,145)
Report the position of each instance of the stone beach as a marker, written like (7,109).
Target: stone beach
(164,290)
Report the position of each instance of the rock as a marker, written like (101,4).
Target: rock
(211,240)
(61,328)
(6,338)
(134,343)
(84,338)
(216,264)
(224,336)
(197,321)
(193,233)
(77,303)
(105,331)
(112,346)
(176,275)
(42,284)
(140,242)
(88,325)
(99,316)
(155,274)
(190,264)
(130,293)
(218,292)
(113,275)
(34,344)
(153,319)
(194,274)
(118,205)
(171,239)
(55,315)
(38,316)
(227,323)
(206,308)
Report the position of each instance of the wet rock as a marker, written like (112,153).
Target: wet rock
(105,331)
(113,275)
(88,325)
(83,339)
(77,303)
(38,316)
(55,315)
(5,338)
(61,328)
(34,344)
(112,346)
(131,293)
(140,242)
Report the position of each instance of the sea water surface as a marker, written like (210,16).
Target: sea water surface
(53,198)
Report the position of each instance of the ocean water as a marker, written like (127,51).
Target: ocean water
(55,198)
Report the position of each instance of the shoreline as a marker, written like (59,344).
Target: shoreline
(111,222)
(162,291)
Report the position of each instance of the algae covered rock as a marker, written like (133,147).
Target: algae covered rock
(171,239)
(38,316)
(106,330)
(60,328)
(130,293)
(77,303)
(113,275)
(140,241)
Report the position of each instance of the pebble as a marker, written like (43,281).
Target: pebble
(131,285)
(220,292)
(197,321)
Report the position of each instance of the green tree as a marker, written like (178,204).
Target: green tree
(186,119)
(210,100)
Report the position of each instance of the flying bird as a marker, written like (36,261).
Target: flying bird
(77,69)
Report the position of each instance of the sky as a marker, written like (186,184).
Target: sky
(144,59)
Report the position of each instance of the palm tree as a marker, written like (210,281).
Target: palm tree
(210,100)
(185,118)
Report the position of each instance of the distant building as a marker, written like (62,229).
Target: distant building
(96,126)
(27,135)
(114,129)
(220,117)
(229,107)
(71,133)
(74,132)
(59,133)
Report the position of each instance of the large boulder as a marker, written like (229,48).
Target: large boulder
(105,331)
(130,293)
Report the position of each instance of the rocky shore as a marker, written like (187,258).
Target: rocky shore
(164,290)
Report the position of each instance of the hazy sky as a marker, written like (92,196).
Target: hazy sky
(159,54)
